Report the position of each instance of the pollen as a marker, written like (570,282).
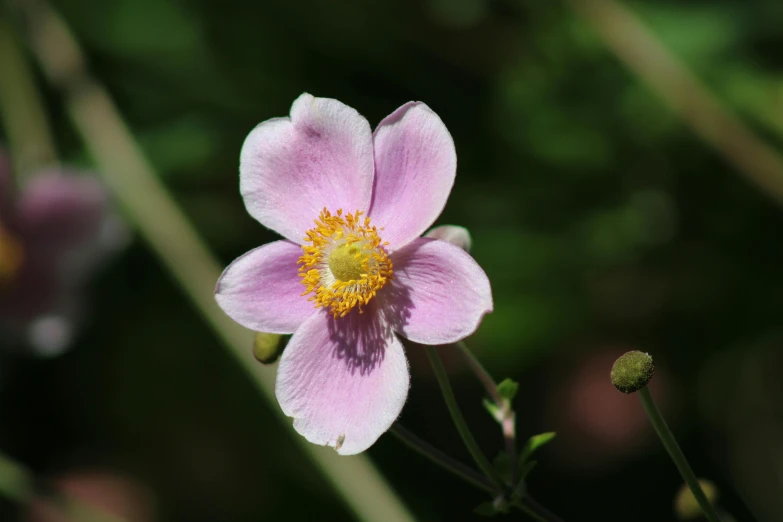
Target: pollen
(344,263)
(11,255)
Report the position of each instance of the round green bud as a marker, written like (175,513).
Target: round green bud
(632,371)
(267,347)
(685,504)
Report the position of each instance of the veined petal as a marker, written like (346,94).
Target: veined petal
(457,236)
(415,165)
(261,290)
(291,168)
(344,381)
(439,294)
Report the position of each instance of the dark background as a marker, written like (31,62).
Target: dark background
(603,223)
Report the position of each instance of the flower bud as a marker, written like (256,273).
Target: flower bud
(685,504)
(632,371)
(457,236)
(267,347)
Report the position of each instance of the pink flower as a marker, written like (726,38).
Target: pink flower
(352,269)
(115,496)
(53,233)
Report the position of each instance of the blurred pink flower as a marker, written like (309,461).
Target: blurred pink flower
(53,233)
(108,493)
(351,205)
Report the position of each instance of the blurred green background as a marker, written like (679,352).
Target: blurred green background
(603,223)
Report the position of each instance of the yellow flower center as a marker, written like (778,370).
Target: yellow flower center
(345,263)
(11,255)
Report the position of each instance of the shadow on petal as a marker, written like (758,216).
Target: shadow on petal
(439,294)
(344,381)
(395,299)
(360,339)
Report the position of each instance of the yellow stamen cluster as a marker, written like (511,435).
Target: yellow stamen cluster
(345,263)
(10,256)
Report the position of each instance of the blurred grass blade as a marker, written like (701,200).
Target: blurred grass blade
(25,123)
(150,207)
(15,481)
(630,40)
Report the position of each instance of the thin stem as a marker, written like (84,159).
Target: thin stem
(531,506)
(670,443)
(508,422)
(480,372)
(508,418)
(171,236)
(529,511)
(459,420)
(21,107)
(441,459)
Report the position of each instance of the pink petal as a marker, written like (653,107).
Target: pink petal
(344,381)
(415,165)
(291,168)
(262,291)
(457,236)
(439,294)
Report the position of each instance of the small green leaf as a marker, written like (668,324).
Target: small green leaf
(533,443)
(508,389)
(536,441)
(493,410)
(486,509)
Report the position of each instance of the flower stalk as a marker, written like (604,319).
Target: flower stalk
(441,459)
(507,415)
(631,373)
(670,443)
(534,509)
(492,482)
(508,425)
(459,420)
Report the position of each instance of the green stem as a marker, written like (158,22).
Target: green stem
(481,373)
(459,420)
(441,459)
(172,237)
(508,416)
(24,119)
(508,423)
(529,511)
(531,506)
(670,443)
